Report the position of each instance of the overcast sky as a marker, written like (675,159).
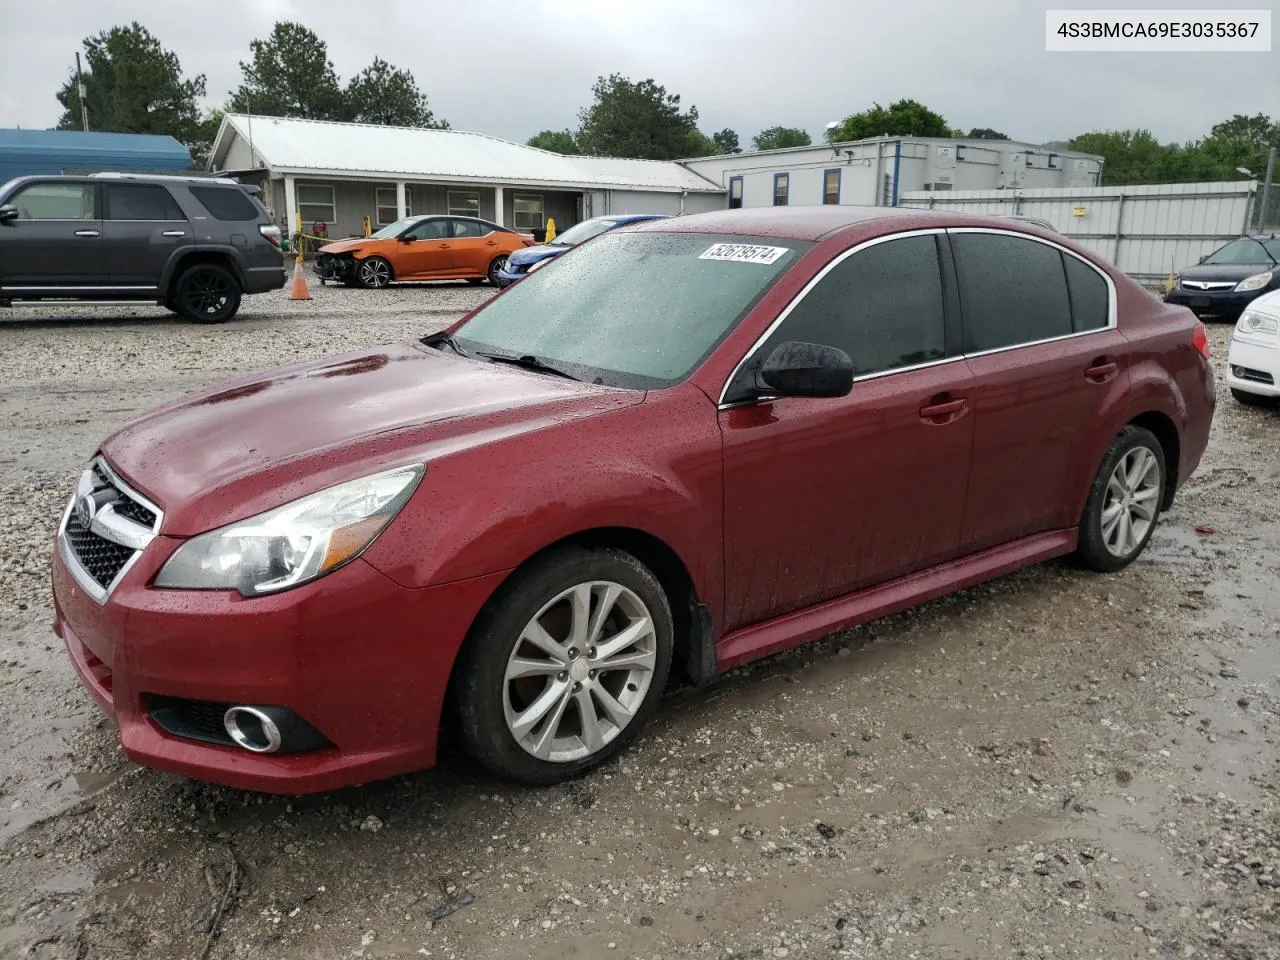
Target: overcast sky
(512,69)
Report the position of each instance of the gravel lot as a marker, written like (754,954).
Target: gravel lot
(1054,765)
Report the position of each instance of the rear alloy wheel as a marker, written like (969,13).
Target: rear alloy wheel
(206,293)
(565,666)
(499,263)
(374,273)
(1124,502)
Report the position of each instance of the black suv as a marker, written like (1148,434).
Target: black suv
(193,244)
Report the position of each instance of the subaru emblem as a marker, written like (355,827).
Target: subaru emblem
(86,509)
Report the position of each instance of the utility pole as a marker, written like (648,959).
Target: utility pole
(1266,189)
(80,90)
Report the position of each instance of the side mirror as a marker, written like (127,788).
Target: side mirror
(8,213)
(797,369)
(405,238)
(1203,259)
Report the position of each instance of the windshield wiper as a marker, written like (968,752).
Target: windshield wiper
(529,362)
(442,336)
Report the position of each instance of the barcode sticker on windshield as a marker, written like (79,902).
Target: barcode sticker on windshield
(743,253)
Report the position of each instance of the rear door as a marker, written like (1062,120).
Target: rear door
(56,241)
(474,244)
(142,228)
(428,252)
(1039,335)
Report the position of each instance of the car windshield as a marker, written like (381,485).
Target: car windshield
(634,310)
(394,229)
(583,231)
(1247,250)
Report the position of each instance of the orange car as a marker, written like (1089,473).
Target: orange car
(421,248)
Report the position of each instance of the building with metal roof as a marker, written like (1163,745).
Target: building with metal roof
(24,152)
(336,174)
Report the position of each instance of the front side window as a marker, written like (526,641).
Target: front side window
(636,310)
(55,201)
(1013,290)
(881,305)
(781,189)
(463,203)
(141,201)
(316,203)
(527,211)
(436,228)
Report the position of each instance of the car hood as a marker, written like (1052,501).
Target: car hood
(534,254)
(251,444)
(1231,271)
(347,246)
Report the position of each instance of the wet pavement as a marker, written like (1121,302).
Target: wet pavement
(1056,764)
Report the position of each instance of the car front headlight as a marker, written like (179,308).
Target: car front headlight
(1251,321)
(1256,282)
(295,543)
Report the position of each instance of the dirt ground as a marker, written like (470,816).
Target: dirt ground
(1058,764)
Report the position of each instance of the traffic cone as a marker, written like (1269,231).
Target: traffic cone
(299,289)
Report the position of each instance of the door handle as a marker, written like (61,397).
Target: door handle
(444,246)
(943,411)
(1101,370)
(86,233)
(491,243)
(173,233)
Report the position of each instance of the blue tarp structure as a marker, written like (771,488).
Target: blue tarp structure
(74,151)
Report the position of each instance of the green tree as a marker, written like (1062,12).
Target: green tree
(381,93)
(700,145)
(726,141)
(986,133)
(637,119)
(134,85)
(1136,156)
(775,138)
(290,75)
(557,141)
(902,118)
(1242,142)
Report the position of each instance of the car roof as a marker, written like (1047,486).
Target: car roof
(813,223)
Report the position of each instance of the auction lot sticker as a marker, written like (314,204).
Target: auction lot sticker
(743,253)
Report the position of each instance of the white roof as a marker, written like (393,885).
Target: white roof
(362,149)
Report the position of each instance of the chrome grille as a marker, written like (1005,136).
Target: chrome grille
(105,527)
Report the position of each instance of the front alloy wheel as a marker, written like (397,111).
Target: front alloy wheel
(565,665)
(374,273)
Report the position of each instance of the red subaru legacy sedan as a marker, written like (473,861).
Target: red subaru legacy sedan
(679,447)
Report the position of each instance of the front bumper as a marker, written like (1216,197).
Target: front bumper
(363,660)
(1213,302)
(1254,367)
(331,266)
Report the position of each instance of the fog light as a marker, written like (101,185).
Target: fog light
(252,729)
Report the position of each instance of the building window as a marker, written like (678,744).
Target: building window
(465,204)
(528,212)
(831,186)
(781,189)
(735,193)
(386,205)
(316,203)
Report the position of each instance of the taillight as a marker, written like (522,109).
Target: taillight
(270,231)
(1200,340)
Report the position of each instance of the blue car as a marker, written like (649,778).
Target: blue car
(522,261)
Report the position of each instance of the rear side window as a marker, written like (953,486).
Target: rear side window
(470,228)
(882,306)
(226,203)
(1090,303)
(141,201)
(1013,290)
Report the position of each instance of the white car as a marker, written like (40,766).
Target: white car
(1253,361)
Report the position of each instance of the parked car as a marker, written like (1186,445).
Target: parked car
(693,443)
(194,244)
(421,248)
(522,262)
(1253,359)
(1229,279)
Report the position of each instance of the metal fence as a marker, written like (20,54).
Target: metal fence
(1148,230)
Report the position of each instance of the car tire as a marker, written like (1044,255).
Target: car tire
(520,707)
(206,293)
(494,266)
(1254,399)
(374,273)
(1124,501)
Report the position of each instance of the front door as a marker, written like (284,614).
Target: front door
(827,496)
(56,240)
(143,227)
(428,252)
(1040,338)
